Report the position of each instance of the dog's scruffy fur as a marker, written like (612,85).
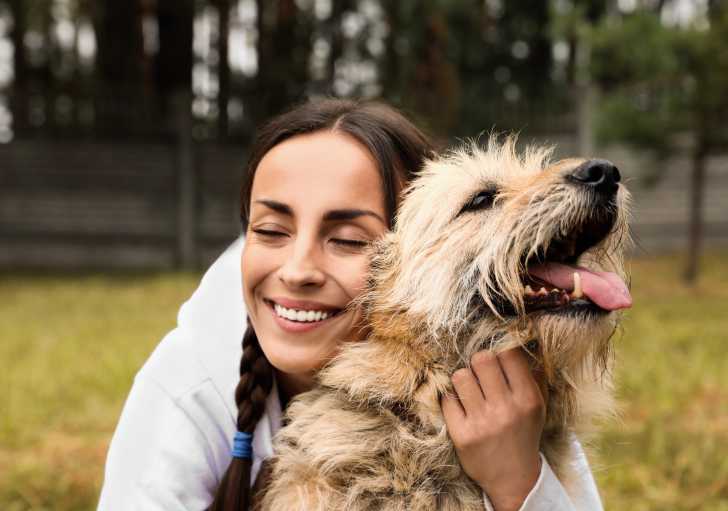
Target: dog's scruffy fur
(445,284)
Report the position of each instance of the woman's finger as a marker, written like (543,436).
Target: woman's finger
(490,375)
(516,369)
(468,390)
(452,411)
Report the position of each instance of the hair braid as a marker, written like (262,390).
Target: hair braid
(256,380)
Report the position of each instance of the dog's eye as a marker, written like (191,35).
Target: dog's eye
(482,200)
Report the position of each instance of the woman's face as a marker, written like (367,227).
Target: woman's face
(316,203)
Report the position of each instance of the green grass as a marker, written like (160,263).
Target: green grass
(670,451)
(70,345)
(70,348)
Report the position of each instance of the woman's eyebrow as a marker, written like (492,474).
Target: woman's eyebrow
(350,214)
(283,209)
(330,216)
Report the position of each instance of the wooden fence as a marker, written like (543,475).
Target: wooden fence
(92,204)
(84,204)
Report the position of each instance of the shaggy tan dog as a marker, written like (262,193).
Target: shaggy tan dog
(491,250)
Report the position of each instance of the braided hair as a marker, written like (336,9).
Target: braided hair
(399,149)
(256,380)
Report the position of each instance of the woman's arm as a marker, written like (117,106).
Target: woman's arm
(548,494)
(159,458)
(498,414)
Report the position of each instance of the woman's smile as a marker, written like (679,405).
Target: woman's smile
(301,316)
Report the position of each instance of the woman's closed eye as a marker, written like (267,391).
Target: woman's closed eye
(270,234)
(342,242)
(350,243)
(349,238)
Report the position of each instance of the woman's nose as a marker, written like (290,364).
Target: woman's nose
(302,268)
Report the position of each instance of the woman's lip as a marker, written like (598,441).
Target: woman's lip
(296,326)
(305,305)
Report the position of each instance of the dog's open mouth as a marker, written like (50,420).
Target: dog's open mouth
(556,283)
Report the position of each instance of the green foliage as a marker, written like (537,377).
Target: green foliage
(643,121)
(637,49)
(71,345)
(659,81)
(636,65)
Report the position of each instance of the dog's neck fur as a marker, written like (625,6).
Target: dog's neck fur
(402,365)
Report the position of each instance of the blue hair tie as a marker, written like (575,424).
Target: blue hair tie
(242,446)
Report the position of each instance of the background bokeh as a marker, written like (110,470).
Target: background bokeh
(124,128)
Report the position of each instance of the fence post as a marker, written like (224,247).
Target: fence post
(185,172)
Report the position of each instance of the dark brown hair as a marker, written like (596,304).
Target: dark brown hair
(399,149)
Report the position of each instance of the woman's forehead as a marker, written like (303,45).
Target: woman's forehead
(320,171)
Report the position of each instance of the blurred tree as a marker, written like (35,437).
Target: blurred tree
(570,19)
(661,83)
(336,39)
(174,59)
(119,61)
(457,61)
(223,67)
(20,65)
(284,49)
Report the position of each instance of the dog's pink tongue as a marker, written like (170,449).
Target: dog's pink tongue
(605,289)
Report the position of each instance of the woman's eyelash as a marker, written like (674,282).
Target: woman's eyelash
(338,241)
(350,243)
(266,232)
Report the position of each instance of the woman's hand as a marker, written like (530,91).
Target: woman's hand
(495,422)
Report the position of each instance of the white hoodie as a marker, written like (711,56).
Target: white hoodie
(173,441)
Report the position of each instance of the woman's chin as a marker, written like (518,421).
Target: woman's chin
(303,348)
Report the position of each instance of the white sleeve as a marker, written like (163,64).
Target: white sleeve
(548,494)
(158,459)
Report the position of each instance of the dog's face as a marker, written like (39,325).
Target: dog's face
(492,243)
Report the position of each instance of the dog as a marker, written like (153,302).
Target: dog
(492,249)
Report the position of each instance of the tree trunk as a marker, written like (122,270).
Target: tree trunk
(223,69)
(695,233)
(174,79)
(119,62)
(336,41)
(20,67)
(390,66)
(174,60)
(284,49)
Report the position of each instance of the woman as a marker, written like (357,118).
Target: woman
(322,183)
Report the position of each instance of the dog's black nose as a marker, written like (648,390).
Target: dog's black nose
(600,174)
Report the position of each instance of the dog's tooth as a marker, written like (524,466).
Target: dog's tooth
(578,292)
(543,291)
(529,290)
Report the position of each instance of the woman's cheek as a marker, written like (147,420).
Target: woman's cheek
(356,275)
(258,262)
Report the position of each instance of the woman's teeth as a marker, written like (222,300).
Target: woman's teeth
(299,315)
